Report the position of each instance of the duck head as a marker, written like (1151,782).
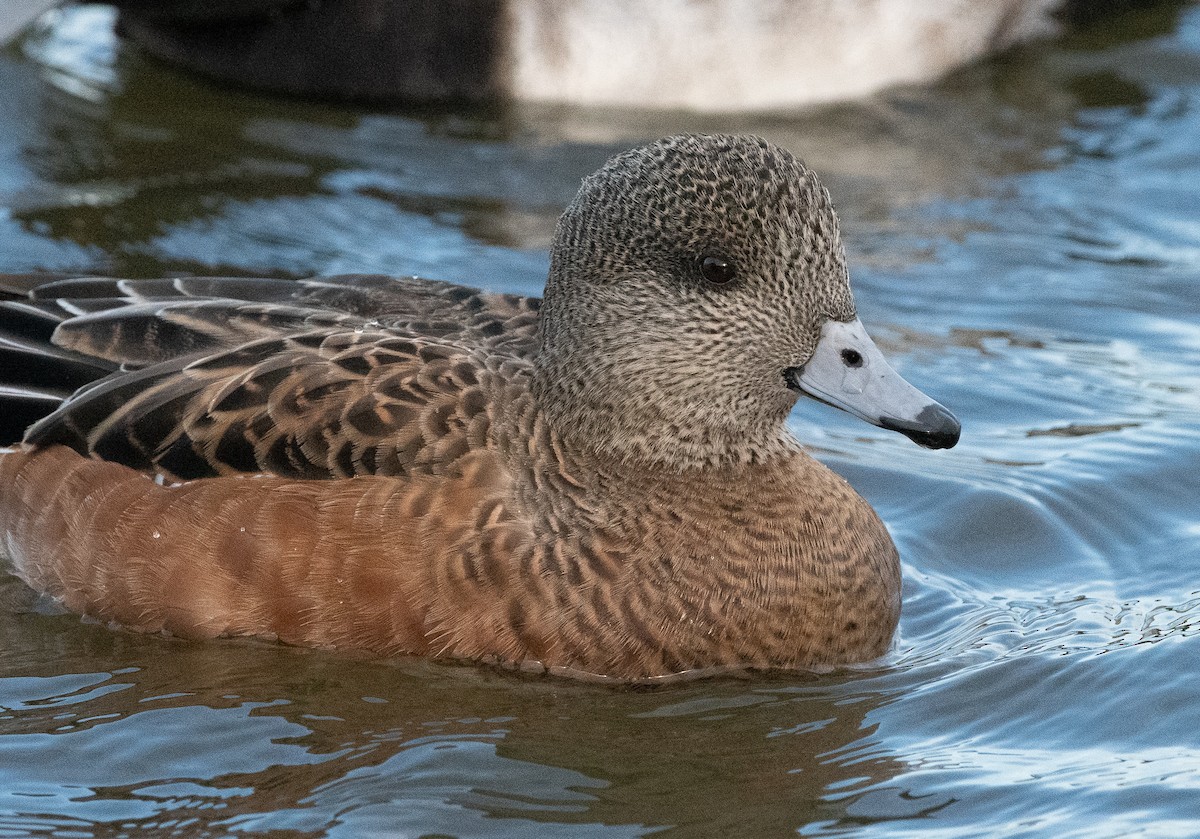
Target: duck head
(698,287)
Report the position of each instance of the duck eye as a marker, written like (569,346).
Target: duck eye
(717,270)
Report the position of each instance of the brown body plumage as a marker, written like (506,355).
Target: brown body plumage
(402,466)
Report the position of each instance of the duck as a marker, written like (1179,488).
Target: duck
(600,482)
(709,56)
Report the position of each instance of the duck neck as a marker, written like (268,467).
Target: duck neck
(640,425)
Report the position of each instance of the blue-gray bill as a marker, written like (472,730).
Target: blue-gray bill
(847,371)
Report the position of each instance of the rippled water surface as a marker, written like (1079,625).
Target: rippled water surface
(1025,242)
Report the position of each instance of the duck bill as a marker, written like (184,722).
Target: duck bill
(848,371)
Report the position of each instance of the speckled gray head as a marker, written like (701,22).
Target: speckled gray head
(698,285)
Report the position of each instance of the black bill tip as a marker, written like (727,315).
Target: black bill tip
(933,428)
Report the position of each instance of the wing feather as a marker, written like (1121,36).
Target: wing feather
(201,376)
(350,403)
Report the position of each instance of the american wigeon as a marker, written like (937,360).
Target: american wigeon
(601,481)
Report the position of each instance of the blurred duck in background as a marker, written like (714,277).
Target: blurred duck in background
(705,55)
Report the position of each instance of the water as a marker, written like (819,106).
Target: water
(1025,242)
